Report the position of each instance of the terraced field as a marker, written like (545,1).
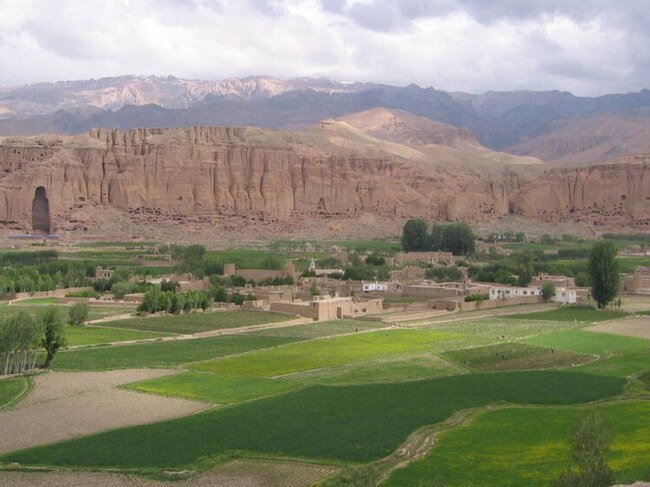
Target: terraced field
(350,393)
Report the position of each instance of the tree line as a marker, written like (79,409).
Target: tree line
(24,337)
(456,238)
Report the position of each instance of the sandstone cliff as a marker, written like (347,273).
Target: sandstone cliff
(176,176)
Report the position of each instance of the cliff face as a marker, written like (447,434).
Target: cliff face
(175,175)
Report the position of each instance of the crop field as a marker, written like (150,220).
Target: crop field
(572,313)
(91,335)
(204,386)
(94,311)
(529,447)
(12,390)
(514,356)
(328,352)
(396,369)
(581,341)
(161,354)
(345,393)
(339,423)
(319,329)
(198,322)
(638,326)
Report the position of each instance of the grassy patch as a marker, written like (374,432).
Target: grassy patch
(203,386)
(12,390)
(86,335)
(36,301)
(588,342)
(318,329)
(198,322)
(329,352)
(621,364)
(571,313)
(397,369)
(528,447)
(514,356)
(355,423)
(161,354)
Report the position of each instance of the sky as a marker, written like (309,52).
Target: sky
(587,47)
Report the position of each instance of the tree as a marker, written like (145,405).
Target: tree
(415,236)
(589,447)
(604,272)
(19,340)
(174,304)
(78,314)
(456,238)
(548,291)
(53,333)
(525,272)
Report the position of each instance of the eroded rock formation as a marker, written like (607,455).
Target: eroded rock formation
(178,175)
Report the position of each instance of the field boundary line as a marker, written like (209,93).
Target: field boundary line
(27,388)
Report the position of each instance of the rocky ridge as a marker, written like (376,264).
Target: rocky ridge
(173,177)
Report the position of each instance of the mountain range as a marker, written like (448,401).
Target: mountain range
(550,125)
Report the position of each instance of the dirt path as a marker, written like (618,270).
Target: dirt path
(80,403)
(238,473)
(106,319)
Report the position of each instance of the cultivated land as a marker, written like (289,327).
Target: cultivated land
(263,399)
(200,322)
(638,327)
(77,404)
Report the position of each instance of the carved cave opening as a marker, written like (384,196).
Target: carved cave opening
(41,211)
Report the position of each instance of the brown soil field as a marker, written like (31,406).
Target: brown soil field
(635,303)
(65,405)
(238,473)
(638,327)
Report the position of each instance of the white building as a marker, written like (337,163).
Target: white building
(565,296)
(503,292)
(374,286)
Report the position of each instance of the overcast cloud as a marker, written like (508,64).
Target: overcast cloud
(589,47)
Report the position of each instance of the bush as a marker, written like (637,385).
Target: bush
(237,298)
(375,260)
(78,314)
(443,273)
(548,291)
(477,297)
(86,293)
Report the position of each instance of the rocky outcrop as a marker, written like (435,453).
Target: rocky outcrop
(179,175)
(600,194)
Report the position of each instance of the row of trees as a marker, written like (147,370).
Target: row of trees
(456,238)
(23,337)
(156,300)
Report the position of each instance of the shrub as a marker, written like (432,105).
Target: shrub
(477,297)
(78,314)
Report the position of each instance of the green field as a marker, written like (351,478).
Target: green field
(36,301)
(528,447)
(319,329)
(395,369)
(87,335)
(513,356)
(198,322)
(12,390)
(580,341)
(161,354)
(571,313)
(328,352)
(204,386)
(354,423)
